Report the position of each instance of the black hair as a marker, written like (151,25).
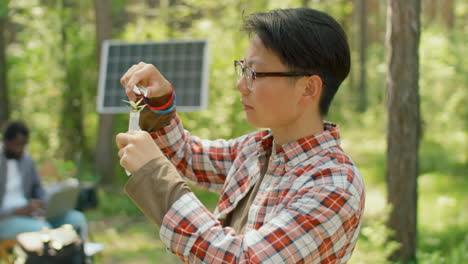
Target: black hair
(13,128)
(306,40)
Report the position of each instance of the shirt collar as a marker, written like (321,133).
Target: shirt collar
(301,149)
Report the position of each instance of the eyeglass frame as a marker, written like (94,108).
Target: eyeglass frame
(265,74)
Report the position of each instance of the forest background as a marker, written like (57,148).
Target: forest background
(49,59)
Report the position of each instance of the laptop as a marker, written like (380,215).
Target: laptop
(62,197)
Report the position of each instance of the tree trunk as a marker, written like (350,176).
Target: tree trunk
(362,13)
(152,3)
(105,141)
(448,13)
(347,18)
(71,119)
(430,10)
(5,102)
(375,32)
(403,125)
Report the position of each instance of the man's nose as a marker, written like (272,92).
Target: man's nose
(242,86)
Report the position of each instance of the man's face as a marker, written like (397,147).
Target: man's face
(14,148)
(273,101)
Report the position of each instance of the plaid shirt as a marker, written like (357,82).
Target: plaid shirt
(308,208)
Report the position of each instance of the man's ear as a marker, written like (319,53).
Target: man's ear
(312,89)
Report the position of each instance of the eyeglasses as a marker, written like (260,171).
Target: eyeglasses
(250,75)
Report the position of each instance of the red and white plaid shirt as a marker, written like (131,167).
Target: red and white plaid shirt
(308,208)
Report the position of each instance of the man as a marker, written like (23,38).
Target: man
(22,197)
(288,194)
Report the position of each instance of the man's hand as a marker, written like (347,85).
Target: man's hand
(37,204)
(148,76)
(136,148)
(23,211)
(34,207)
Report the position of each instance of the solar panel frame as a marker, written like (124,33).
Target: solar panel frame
(190,73)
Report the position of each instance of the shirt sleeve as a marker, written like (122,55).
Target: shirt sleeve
(155,187)
(317,225)
(204,162)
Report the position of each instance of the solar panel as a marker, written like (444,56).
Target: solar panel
(183,63)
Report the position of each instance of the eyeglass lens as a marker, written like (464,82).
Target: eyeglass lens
(239,70)
(246,72)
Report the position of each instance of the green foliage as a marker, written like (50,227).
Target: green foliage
(115,203)
(209,199)
(37,79)
(76,26)
(34,75)
(37,72)
(65,168)
(373,245)
(456,255)
(442,213)
(443,88)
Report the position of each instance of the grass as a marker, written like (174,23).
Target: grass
(129,240)
(128,236)
(442,206)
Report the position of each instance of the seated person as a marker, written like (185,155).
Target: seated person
(22,197)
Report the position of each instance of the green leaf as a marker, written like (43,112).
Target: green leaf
(135,106)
